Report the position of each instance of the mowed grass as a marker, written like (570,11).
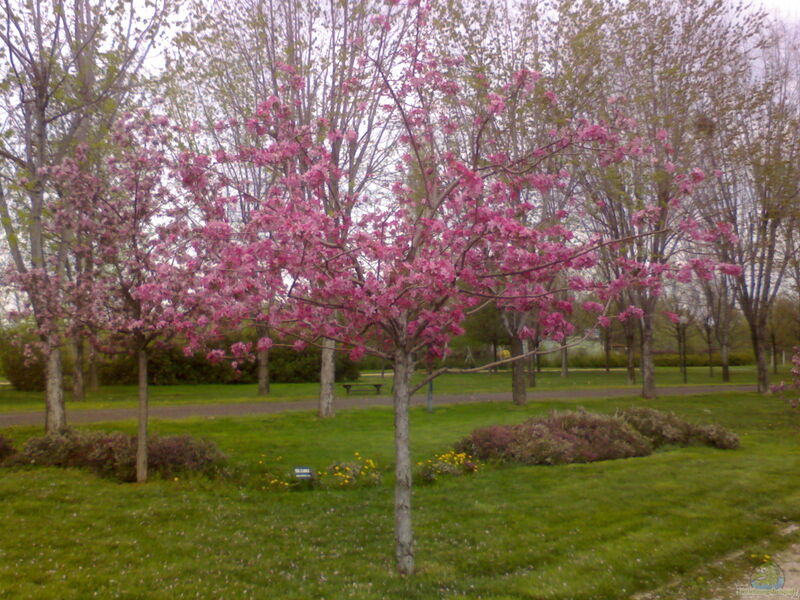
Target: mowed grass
(472,383)
(604,530)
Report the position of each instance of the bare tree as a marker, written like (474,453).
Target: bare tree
(667,65)
(756,159)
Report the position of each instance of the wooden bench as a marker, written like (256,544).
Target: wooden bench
(366,386)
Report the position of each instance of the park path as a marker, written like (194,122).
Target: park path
(185,411)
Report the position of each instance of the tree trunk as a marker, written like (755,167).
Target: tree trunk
(77,370)
(773,352)
(518,387)
(262,363)
(263,372)
(564,360)
(647,365)
(141,439)
(710,360)
(531,371)
(760,349)
(55,413)
(94,374)
(630,354)
(724,355)
(709,335)
(607,347)
(684,368)
(327,375)
(404,535)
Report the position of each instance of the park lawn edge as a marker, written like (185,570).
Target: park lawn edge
(715,575)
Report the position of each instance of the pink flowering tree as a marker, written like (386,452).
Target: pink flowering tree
(331,86)
(135,235)
(394,270)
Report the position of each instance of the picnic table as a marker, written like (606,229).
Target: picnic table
(366,386)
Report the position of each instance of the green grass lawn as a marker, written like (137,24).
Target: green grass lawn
(595,531)
(120,396)
(125,396)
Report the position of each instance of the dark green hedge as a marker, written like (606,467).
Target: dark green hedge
(169,366)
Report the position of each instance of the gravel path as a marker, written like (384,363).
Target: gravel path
(184,411)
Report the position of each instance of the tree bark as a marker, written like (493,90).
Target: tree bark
(647,364)
(77,370)
(404,535)
(630,353)
(564,352)
(710,360)
(684,370)
(263,372)
(760,349)
(607,347)
(327,376)
(55,413)
(262,363)
(773,352)
(532,371)
(724,354)
(518,387)
(141,439)
(94,374)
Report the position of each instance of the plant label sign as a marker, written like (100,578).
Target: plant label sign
(303,473)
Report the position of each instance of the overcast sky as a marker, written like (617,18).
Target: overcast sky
(785,8)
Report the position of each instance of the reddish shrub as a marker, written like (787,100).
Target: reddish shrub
(114,454)
(565,437)
(569,437)
(168,456)
(6,448)
(572,437)
(487,443)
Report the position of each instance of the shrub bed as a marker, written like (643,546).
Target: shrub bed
(168,365)
(113,454)
(6,448)
(561,437)
(579,436)
(662,428)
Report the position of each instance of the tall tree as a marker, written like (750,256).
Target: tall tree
(67,65)
(755,157)
(660,61)
(718,318)
(394,271)
(134,234)
(321,57)
(487,43)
